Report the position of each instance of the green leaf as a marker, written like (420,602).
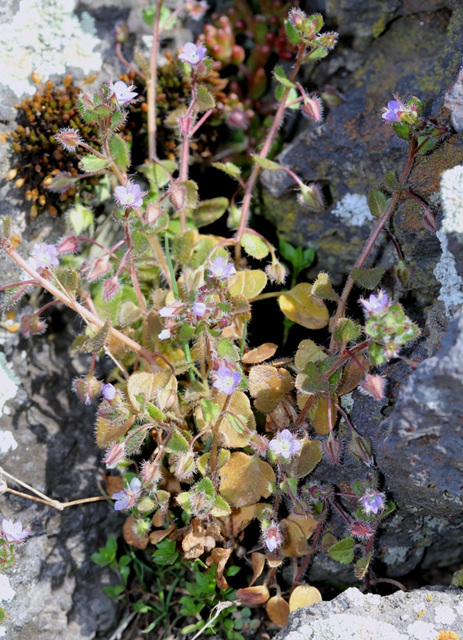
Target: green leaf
(280,76)
(391,182)
(377,202)
(134,443)
(229,168)
(80,218)
(154,412)
(361,566)
(177,444)
(322,288)
(287,250)
(346,330)
(140,242)
(368,278)
(254,246)
(428,144)
(311,379)
(221,508)
(292,33)
(69,278)
(401,129)
(265,163)
(149,14)
(227,350)
(292,95)
(208,211)
(6,226)
(156,175)
(94,344)
(343,551)
(119,151)
(210,410)
(316,54)
(204,100)
(166,552)
(92,163)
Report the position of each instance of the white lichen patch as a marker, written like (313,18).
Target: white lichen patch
(46,37)
(451,292)
(422,630)
(353,209)
(7,441)
(7,593)
(8,382)
(444,614)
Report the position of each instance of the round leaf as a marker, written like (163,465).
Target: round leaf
(304,596)
(249,282)
(300,306)
(245,479)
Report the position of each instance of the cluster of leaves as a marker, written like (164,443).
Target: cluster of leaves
(38,157)
(159,597)
(212,435)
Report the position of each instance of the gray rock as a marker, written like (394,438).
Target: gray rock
(424,614)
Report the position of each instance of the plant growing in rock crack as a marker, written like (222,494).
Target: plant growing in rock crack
(210,435)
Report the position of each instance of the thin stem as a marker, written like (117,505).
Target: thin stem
(215,435)
(382,221)
(151,84)
(133,272)
(53,503)
(156,246)
(263,154)
(83,312)
(126,63)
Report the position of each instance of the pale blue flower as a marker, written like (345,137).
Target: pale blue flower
(122,92)
(222,269)
(226,380)
(44,255)
(192,53)
(375,304)
(372,501)
(127,497)
(13,531)
(285,445)
(129,196)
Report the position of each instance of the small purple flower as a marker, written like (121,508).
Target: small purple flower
(285,445)
(226,380)
(375,304)
(13,531)
(170,310)
(109,392)
(130,196)
(45,255)
(222,269)
(122,92)
(127,497)
(393,110)
(192,54)
(372,501)
(199,309)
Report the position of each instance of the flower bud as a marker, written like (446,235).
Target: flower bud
(332,447)
(360,447)
(146,504)
(110,288)
(312,108)
(115,454)
(185,466)
(362,530)
(141,527)
(177,196)
(87,388)
(311,196)
(373,386)
(68,245)
(32,325)
(276,272)
(98,268)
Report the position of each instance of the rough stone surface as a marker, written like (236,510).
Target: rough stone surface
(58,588)
(417,54)
(432,613)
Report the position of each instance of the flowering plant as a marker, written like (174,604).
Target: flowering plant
(208,433)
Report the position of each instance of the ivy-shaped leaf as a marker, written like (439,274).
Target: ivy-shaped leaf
(343,551)
(119,151)
(92,164)
(368,278)
(208,211)
(69,277)
(254,246)
(229,168)
(94,344)
(204,99)
(377,202)
(280,75)
(265,163)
